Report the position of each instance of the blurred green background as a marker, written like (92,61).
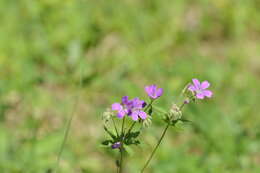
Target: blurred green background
(118,47)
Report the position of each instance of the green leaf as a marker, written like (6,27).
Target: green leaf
(185,120)
(107,142)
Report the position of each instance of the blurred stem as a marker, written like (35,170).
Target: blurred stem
(65,136)
(68,126)
(115,126)
(156,147)
(122,147)
(159,142)
(122,129)
(121,159)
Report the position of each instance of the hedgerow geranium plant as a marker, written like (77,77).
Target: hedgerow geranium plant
(140,113)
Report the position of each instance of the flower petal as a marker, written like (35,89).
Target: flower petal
(192,88)
(207,93)
(125,100)
(117,107)
(147,89)
(200,96)
(159,92)
(121,113)
(151,91)
(135,115)
(142,115)
(205,85)
(196,83)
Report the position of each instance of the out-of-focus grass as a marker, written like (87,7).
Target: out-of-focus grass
(121,47)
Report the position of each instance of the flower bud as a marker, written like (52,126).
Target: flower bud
(175,112)
(116,145)
(186,101)
(147,122)
(107,115)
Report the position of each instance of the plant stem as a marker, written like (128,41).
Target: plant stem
(68,126)
(121,159)
(122,129)
(65,136)
(159,142)
(156,147)
(115,126)
(122,147)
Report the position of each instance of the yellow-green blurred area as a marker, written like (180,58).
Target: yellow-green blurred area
(116,47)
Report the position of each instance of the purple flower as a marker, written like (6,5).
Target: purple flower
(136,111)
(132,108)
(123,108)
(200,89)
(153,92)
(116,145)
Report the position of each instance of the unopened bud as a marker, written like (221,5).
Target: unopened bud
(116,145)
(187,101)
(107,115)
(147,122)
(175,112)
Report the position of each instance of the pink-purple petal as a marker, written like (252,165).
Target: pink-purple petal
(125,100)
(159,92)
(135,116)
(121,113)
(196,83)
(192,88)
(200,95)
(142,115)
(205,85)
(117,107)
(207,93)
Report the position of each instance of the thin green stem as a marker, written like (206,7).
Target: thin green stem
(122,129)
(159,142)
(156,147)
(68,126)
(122,147)
(121,158)
(131,127)
(65,135)
(115,126)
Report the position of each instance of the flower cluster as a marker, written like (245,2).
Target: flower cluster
(140,112)
(131,108)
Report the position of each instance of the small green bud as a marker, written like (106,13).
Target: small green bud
(175,112)
(107,115)
(147,122)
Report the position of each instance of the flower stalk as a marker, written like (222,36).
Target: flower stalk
(160,140)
